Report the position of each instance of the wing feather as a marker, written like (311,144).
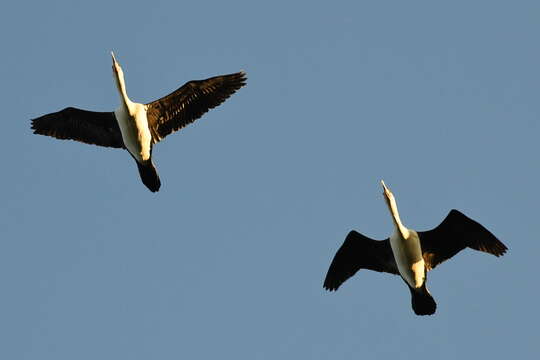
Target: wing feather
(455,233)
(190,102)
(359,252)
(90,127)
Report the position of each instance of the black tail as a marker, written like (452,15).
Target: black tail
(149,175)
(422,301)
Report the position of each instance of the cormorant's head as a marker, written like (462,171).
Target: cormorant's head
(392,206)
(388,196)
(118,75)
(116,66)
(386,191)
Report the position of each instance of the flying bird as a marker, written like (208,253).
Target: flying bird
(138,127)
(409,253)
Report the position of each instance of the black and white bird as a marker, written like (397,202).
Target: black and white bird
(137,127)
(410,254)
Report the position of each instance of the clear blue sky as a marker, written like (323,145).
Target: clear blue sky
(438,98)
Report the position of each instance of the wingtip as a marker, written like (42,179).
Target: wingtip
(243,75)
(34,127)
(500,249)
(330,284)
(329,288)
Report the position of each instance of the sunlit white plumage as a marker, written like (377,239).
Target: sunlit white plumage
(405,246)
(409,253)
(137,127)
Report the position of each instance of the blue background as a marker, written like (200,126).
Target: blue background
(438,98)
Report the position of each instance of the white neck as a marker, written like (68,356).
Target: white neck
(121,86)
(392,206)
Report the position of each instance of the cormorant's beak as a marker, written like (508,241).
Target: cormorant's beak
(386,190)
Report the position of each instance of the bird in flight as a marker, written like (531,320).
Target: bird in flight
(138,127)
(409,253)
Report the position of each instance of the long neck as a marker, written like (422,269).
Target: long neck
(121,86)
(392,206)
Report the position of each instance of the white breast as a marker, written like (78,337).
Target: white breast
(135,132)
(408,256)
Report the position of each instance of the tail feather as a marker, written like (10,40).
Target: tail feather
(149,175)
(422,301)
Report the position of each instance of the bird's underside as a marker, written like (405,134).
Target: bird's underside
(165,116)
(454,234)
(159,119)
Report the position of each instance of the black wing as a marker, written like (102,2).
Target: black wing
(90,127)
(454,234)
(359,252)
(190,102)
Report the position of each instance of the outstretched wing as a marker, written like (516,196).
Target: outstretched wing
(359,252)
(454,234)
(90,127)
(190,102)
